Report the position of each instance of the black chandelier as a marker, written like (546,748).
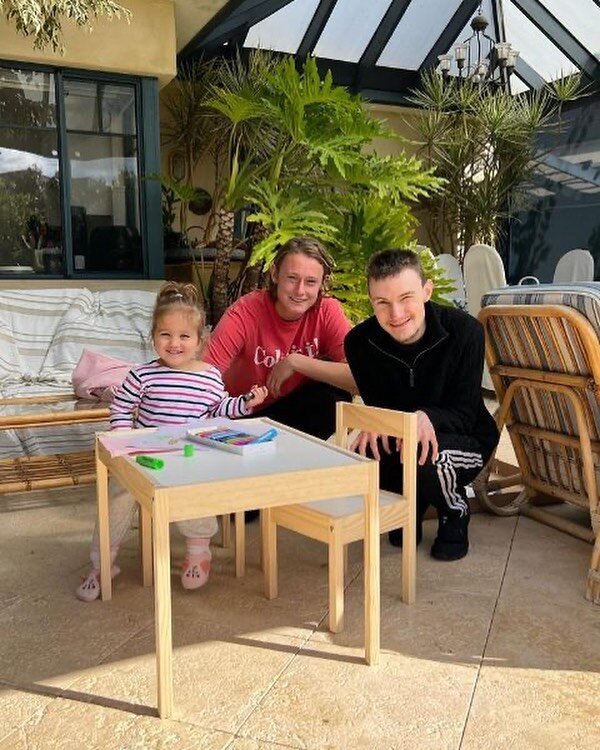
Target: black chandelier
(480,58)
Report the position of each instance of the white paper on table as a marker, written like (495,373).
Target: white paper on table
(169,438)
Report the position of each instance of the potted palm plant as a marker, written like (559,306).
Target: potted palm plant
(482,141)
(313,174)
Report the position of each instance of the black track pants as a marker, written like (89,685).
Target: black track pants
(441,484)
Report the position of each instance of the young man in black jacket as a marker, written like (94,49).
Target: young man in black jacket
(414,355)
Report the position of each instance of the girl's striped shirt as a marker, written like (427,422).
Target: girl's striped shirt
(153,395)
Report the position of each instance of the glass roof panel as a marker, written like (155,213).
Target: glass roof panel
(581,18)
(283,30)
(350,28)
(416,33)
(535,47)
(517,86)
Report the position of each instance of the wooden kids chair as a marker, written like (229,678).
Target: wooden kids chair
(341,521)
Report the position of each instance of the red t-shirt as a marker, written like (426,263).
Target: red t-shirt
(251,337)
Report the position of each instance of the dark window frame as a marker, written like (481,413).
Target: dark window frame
(148,154)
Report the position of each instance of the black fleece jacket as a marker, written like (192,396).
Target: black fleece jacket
(440,374)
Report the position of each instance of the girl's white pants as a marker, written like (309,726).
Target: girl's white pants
(121,508)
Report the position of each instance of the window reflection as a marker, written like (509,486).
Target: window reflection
(30,216)
(563,201)
(102,151)
(100,139)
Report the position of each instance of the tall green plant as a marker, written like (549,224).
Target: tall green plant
(482,142)
(294,147)
(368,224)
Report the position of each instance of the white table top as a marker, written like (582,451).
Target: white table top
(293,452)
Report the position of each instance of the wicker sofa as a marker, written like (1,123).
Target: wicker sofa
(45,434)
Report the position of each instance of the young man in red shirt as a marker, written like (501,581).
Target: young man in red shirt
(289,337)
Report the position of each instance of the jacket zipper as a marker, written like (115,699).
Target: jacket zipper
(411,372)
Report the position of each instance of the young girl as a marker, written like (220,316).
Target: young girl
(174,389)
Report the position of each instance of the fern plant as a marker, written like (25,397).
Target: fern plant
(368,224)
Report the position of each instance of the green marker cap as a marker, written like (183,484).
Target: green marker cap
(150,462)
(188,450)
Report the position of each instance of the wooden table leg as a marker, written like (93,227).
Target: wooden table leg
(336,580)
(162,604)
(268,545)
(145,523)
(226,531)
(240,544)
(103,529)
(372,591)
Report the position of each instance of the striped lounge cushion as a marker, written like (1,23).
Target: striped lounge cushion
(552,345)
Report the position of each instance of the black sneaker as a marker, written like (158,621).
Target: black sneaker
(395,535)
(452,540)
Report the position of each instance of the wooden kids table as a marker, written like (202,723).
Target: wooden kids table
(215,482)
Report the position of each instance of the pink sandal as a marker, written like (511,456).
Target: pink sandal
(195,570)
(89,588)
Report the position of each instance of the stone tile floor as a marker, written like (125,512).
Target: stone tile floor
(500,650)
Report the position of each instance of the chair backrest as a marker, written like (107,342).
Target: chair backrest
(452,270)
(576,265)
(483,271)
(396,424)
(543,351)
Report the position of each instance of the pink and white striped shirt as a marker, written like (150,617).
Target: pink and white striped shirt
(153,395)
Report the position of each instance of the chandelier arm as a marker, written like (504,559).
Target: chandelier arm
(490,67)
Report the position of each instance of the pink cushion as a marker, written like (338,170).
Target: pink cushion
(98,375)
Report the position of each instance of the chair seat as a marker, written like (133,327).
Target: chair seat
(316,519)
(349,506)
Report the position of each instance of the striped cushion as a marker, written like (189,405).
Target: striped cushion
(112,322)
(582,296)
(550,345)
(42,335)
(10,444)
(28,321)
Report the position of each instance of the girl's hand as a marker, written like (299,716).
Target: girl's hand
(257,395)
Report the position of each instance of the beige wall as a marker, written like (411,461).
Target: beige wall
(146,46)
(193,15)
(397,119)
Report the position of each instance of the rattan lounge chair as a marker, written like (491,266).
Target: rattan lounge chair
(543,352)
